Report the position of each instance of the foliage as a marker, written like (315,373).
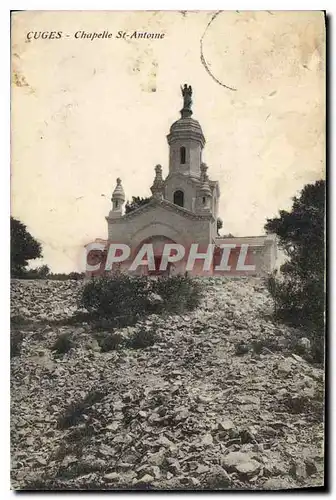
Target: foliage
(75,411)
(301,231)
(16,338)
(18,320)
(117,296)
(126,298)
(63,344)
(179,293)
(64,276)
(136,202)
(299,292)
(23,247)
(42,273)
(142,338)
(108,341)
(219,224)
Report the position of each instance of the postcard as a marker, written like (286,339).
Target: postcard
(168,250)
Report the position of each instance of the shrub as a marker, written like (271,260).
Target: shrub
(241,348)
(265,345)
(16,338)
(136,203)
(301,303)
(179,293)
(299,293)
(63,276)
(18,320)
(109,341)
(116,296)
(43,483)
(63,343)
(125,299)
(75,411)
(142,338)
(40,273)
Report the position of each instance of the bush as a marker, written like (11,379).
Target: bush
(39,273)
(265,345)
(299,292)
(64,277)
(24,247)
(136,203)
(179,293)
(63,344)
(301,303)
(109,341)
(125,298)
(116,296)
(75,411)
(16,338)
(142,338)
(18,320)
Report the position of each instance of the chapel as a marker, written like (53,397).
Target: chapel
(184,204)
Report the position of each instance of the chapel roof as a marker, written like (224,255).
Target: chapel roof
(168,205)
(186,124)
(186,128)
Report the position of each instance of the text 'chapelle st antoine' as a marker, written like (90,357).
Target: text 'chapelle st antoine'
(95,35)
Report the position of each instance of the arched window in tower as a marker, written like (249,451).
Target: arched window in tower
(182,155)
(179,198)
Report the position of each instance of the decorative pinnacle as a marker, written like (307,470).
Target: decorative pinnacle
(204,175)
(158,172)
(118,193)
(157,187)
(205,188)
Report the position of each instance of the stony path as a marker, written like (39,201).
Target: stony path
(185,413)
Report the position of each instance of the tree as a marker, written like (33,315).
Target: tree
(24,247)
(136,202)
(299,292)
(219,225)
(301,231)
(40,273)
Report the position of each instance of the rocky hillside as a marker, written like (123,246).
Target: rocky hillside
(221,400)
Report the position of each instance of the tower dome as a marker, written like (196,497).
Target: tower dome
(186,128)
(186,140)
(118,199)
(118,193)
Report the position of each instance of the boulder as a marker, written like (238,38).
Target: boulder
(112,476)
(276,483)
(243,463)
(226,425)
(147,478)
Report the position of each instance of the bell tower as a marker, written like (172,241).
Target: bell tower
(118,199)
(186,140)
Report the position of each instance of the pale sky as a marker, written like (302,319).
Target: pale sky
(86,112)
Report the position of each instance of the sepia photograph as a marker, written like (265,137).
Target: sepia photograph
(167,250)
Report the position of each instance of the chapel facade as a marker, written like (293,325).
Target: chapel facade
(184,204)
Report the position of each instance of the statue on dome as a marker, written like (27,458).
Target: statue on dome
(187,93)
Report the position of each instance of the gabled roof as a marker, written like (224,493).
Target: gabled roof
(168,205)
